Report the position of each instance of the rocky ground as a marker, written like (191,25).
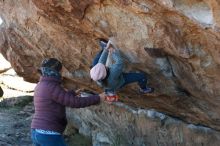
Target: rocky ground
(15,124)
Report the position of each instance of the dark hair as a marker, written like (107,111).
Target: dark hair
(52,63)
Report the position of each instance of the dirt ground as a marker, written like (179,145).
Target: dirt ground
(15,123)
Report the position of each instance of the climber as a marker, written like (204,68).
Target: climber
(50,99)
(1,92)
(110,75)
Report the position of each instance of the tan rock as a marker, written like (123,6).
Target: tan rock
(186,79)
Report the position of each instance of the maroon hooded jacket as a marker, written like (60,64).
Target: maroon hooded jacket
(50,100)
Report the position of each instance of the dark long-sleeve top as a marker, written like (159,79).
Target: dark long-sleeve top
(50,100)
(115,78)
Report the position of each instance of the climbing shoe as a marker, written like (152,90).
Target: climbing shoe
(112,98)
(147,90)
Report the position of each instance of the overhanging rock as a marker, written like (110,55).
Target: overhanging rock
(184,70)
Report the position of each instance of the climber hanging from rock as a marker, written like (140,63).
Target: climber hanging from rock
(107,71)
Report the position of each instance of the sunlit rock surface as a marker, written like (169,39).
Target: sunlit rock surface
(184,69)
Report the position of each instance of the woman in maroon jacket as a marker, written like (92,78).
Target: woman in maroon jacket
(50,99)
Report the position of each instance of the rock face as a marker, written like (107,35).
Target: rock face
(121,125)
(183,67)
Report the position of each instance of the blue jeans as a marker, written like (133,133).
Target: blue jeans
(46,140)
(140,78)
(129,78)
